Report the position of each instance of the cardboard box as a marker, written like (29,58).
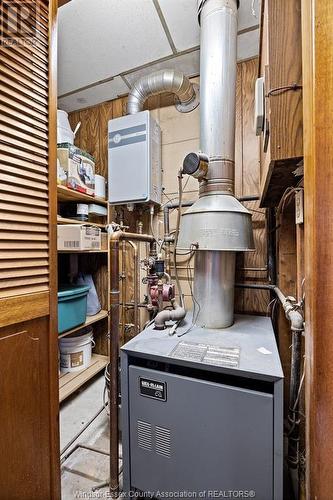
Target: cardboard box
(79,237)
(79,167)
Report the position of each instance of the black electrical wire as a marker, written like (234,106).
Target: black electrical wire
(283,89)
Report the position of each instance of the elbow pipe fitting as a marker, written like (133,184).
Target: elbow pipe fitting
(169,80)
(296,320)
(178,313)
(294,315)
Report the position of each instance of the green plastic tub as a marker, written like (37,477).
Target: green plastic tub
(72,306)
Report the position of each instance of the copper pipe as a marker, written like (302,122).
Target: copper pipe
(136,286)
(115,238)
(123,291)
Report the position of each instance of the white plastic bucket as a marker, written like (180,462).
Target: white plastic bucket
(75,351)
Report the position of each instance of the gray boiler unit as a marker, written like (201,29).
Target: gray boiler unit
(202,413)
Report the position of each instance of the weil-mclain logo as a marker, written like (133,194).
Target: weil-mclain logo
(18,22)
(152,389)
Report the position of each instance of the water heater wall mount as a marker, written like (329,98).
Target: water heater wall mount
(134,145)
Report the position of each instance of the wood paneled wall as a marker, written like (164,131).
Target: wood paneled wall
(180,135)
(93,133)
(252,266)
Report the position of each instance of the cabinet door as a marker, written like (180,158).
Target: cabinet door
(29,454)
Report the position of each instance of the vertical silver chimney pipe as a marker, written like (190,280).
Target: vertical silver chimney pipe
(214,271)
(217,225)
(218,67)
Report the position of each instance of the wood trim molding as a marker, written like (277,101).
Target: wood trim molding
(317,20)
(53,306)
(21,308)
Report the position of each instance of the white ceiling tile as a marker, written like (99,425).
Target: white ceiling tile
(94,95)
(248,45)
(187,63)
(246,19)
(102,38)
(99,39)
(182,19)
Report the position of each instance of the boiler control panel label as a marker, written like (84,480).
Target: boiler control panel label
(153,389)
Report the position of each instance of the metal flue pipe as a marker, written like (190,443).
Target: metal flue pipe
(218,70)
(214,271)
(156,83)
(217,224)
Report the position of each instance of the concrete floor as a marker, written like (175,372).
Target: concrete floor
(84,468)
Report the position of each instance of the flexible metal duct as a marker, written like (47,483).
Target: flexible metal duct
(167,80)
(217,225)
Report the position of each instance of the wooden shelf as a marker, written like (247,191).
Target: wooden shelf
(89,321)
(64,220)
(66,194)
(279,177)
(71,382)
(82,251)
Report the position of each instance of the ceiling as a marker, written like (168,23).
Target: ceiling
(105,45)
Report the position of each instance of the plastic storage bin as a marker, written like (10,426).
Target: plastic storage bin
(72,306)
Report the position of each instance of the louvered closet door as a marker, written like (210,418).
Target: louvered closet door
(29,460)
(24,246)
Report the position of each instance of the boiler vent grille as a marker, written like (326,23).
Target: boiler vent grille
(159,441)
(144,435)
(163,441)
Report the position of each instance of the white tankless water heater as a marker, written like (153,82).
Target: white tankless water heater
(134,143)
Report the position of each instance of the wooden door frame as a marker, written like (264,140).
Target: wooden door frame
(317,21)
(53,298)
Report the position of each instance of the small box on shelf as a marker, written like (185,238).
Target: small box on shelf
(78,237)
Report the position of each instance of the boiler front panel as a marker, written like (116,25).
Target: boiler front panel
(198,436)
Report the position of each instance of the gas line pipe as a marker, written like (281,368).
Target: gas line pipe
(294,313)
